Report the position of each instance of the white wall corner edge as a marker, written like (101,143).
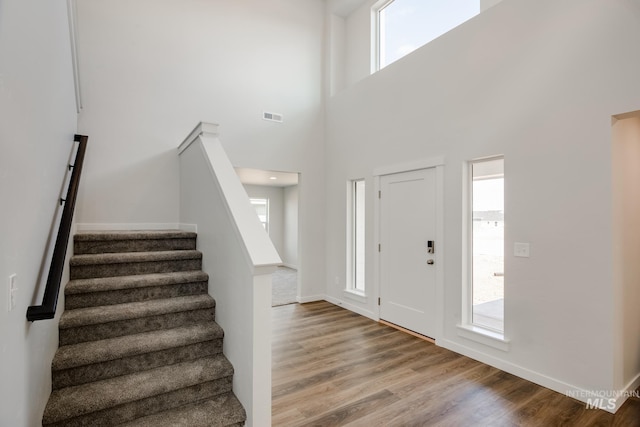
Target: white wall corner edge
(628,391)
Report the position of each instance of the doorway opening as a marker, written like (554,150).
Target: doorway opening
(274,195)
(625,181)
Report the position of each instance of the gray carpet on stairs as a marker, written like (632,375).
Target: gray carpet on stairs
(139,342)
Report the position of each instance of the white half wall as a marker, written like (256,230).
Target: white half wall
(239,259)
(537,82)
(37,124)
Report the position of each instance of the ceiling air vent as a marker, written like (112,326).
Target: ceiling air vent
(272,117)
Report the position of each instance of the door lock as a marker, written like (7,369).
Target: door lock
(430,262)
(431,247)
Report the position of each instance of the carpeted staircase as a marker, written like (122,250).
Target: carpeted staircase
(138,342)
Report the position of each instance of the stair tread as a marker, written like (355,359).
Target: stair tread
(87,353)
(133,235)
(74,401)
(133,257)
(133,310)
(220,411)
(102,284)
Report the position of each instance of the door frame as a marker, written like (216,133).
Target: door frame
(438,163)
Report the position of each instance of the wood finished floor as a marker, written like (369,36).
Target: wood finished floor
(332,367)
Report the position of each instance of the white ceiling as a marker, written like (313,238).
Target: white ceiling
(262,177)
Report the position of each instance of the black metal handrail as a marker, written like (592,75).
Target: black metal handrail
(47,310)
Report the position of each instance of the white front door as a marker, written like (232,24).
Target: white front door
(407,268)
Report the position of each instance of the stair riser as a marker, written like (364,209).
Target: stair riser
(127,412)
(143,245)
(133,268)
(128,365)
(134,326)
(94,299)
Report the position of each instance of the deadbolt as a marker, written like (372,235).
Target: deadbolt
(430,262)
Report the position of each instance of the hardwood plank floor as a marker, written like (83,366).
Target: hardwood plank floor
(333,367)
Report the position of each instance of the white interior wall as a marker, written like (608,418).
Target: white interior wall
(276,212)
(37,123)
(358,44)
(290,248)
(486,4)
(504,83)
(626,244)
(152,69)
(335,54)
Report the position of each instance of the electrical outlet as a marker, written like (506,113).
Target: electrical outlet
(13,290)
(521,250)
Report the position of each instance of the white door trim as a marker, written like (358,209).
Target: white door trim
(413,165)
(437,163)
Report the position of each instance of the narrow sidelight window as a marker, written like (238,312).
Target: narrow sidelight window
(487,243)
(357,235)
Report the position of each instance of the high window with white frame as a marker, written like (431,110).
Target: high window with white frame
(405,25)
(357,236)
(487,244)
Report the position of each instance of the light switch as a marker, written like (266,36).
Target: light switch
(521,250)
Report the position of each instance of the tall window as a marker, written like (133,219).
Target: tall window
(262,209)
(487,241)
(357,235)
(405,25)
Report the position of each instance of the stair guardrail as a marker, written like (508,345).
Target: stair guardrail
(47,310)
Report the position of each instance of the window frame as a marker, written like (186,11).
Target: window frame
(377,33)
(467,328)
(352,237)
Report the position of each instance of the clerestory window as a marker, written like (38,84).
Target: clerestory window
(405,25)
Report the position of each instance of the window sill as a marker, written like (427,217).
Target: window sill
(355,295)
(484,336)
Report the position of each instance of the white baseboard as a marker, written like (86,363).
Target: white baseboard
(543,380)
(312,298)
(629,390)
(134,226)
(351,307)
